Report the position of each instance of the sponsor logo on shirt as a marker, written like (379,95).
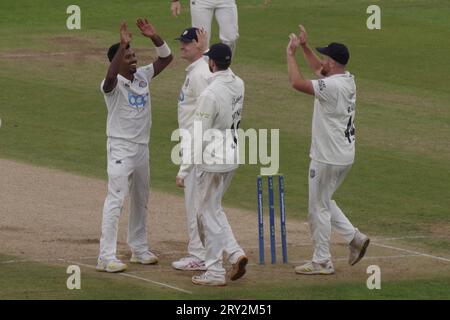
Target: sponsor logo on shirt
(142,84)
(138,101)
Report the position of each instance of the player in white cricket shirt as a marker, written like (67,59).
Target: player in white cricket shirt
(219,109)
(198,76)
(202,13)
(332,148)
(127,97)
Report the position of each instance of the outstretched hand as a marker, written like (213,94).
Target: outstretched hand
(125,36)
(146,28)
(294,43)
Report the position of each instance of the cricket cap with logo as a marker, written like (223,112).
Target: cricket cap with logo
(220,53)
(188,35)
(337,51)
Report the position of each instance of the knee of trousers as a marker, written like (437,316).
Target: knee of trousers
(114,200)
(229,40)
(317,213)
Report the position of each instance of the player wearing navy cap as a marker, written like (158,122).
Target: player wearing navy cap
(219,110)
(332,148)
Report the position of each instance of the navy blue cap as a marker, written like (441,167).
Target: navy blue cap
(188,35)
(337,51)
(219,52)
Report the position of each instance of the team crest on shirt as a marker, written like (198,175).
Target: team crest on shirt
(312,173)
(142,84)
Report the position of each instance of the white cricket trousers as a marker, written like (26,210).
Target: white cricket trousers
(213,223)
(128,173)
(195,245)
(202,12)
(324,179)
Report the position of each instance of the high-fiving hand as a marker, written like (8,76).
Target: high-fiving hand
(303,36)
(125,36)
(294,43)
(146,28)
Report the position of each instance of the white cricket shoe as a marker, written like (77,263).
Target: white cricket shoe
(147,257)
(312,268)
(238,268)
(358,247)
(207,279)
(190,263)
(113,265)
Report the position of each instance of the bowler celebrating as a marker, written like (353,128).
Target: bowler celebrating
(127,98)
(332,148)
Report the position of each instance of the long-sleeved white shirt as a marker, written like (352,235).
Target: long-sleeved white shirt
(198,77)
(219,113)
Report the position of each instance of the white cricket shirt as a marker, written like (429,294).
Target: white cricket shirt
(219,108)
(333,131)
(129,107)
(198,77)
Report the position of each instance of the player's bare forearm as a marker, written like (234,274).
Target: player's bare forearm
(296,79)
(157,41)
(113,70)
(314,62)
(162,62)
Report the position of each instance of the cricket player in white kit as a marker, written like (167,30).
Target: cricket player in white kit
(202,13)
(332,148)
(218,113)
(198,77)
(127,97)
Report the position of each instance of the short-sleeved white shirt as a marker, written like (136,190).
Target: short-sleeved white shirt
(129,107)
(198,77)
(333,131)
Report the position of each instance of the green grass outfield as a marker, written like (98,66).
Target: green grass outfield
(53,114)
(28,280)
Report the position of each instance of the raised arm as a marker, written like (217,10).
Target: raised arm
(314,62)
(162,49)
(296,79)
(113,70)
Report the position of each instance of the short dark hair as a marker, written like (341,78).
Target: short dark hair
(222,65)
(113,50)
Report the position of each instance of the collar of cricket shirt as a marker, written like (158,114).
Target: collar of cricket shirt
(125,79)
(222,74)
(194,64)
(345,74)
